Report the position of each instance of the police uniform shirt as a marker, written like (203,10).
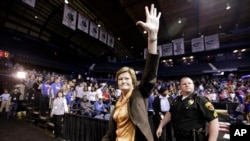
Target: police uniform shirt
(191,113)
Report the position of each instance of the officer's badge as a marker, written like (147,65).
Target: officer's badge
(209,106)
(190,101)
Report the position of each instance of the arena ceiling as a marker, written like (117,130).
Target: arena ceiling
(198,17)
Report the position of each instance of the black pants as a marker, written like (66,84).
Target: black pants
(189,137)
(152,125)
(58,125)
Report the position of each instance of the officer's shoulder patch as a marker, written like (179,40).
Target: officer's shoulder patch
(209,106)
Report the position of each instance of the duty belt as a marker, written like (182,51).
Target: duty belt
(193,134)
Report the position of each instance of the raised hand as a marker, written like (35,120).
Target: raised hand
(152,22)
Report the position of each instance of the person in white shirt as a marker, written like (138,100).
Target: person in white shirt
(79,92)
(5,97)
(59,108)
(92,97)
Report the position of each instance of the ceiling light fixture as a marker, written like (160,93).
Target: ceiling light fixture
(220,26)
(228,6)
(179,21)
(243,50)
(66,1)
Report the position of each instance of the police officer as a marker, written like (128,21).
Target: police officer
(189,114)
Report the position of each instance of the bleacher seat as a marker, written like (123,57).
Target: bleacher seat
(99,117)
(107,116)
(43,119)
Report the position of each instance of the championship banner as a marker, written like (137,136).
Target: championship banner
(94,30)
(110,41)
(103,35)
(197,44)
(167,49)
(30,2)
(178,46)
(69,17)
(212,42)
(83,23)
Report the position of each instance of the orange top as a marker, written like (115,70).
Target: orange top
(125,127)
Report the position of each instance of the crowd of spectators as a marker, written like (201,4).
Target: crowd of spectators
(88,97)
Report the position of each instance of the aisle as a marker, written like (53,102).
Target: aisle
(20,130)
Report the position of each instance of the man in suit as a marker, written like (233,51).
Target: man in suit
(161,105)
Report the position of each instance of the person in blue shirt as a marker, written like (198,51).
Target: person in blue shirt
(55,87)
(99,106)
(240,96)
(70,97)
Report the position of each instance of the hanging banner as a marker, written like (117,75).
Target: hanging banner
(110,41)
(83,23)
(103,35)
(30,2)
(69,17)
(94,30)
(167,49)
(197,44)
(212,42)
(178,46)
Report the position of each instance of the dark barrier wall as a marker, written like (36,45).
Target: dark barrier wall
(79,128)
(225,105)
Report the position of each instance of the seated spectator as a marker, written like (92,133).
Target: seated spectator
(106,98)
(223,96)
(86,108)
(208,95)
(113,99)
(99,106)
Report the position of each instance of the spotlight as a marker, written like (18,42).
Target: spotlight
(21,74)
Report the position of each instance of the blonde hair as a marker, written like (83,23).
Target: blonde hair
(130,71)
